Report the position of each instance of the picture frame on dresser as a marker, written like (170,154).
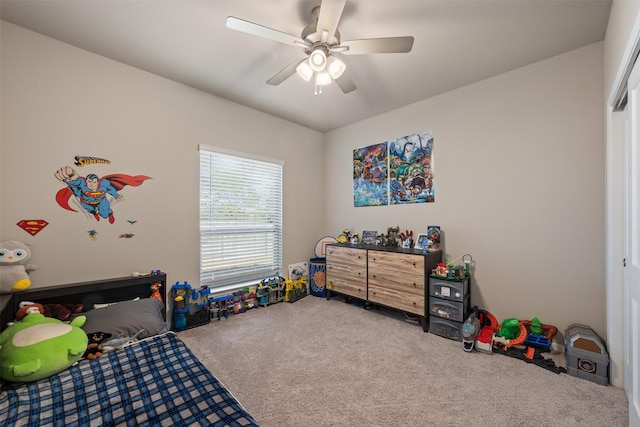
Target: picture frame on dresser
(422,241)
(369,237)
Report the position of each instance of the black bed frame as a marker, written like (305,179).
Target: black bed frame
(85,293)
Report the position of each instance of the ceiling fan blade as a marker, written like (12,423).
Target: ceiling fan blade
(285,73)
(381,45)
(262,31)
(346,84)
(329,16)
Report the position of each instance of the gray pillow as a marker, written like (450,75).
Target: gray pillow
(127,318)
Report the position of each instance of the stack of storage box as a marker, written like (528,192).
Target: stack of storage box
(449,305)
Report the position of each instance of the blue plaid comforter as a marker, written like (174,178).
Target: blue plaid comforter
(154,382)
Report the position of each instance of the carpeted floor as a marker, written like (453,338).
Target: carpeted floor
(328,363)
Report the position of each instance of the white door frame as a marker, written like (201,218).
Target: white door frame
(616,131)
(616,135)
(632,270)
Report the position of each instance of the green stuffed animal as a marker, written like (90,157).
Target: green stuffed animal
(37,347)
(13,266)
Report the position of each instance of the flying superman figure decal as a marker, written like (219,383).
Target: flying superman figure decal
(94,195)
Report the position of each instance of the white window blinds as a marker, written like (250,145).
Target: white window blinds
(240,217)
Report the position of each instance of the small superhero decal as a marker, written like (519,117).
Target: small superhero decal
(32,226)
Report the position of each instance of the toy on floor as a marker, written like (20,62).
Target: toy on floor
(488,325)
(14,268)
(510,333)
(539,334)
(470,331)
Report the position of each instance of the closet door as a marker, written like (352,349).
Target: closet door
(631,287)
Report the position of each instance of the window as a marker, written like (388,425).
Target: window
(240,217)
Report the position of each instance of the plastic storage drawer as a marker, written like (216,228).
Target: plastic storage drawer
(453,290)
(447,309)
(445,328)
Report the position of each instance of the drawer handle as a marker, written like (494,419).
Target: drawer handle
(415,285)
(414,264)
(414,303)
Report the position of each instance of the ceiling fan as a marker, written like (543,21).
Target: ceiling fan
(320,41)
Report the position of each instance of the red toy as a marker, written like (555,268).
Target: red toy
(155,288)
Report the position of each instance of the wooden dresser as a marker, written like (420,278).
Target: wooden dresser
(392,277)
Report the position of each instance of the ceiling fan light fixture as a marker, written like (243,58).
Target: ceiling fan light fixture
(304,71)
(323,78)
(318,60)
(335,67)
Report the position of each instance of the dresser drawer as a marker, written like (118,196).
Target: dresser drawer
(405,263)
(347,256)
(409,302)
(453,290)
(447,309)
(347,287)
(346,272)
(396,281)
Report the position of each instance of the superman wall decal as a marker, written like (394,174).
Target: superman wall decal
(92,194)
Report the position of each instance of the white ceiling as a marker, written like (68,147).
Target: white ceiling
(456,43)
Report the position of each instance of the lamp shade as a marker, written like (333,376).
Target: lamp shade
(335,67)
(304,70)
(323,78)
(318,60)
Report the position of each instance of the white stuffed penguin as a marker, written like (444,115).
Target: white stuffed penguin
(13,266)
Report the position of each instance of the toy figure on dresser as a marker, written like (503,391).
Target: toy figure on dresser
(391,238)
(344,237)
(434,236)
(407,239)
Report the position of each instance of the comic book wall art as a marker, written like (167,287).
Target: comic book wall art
(370,175)
(411,169)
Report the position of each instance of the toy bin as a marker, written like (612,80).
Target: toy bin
(197,318)
(445,328)
(586,354)
(453,290)
(317,277)
(447,310)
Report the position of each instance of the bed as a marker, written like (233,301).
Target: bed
(151,381)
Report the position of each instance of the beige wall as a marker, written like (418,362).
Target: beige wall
(518,161)
(59,101)
(519,178)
